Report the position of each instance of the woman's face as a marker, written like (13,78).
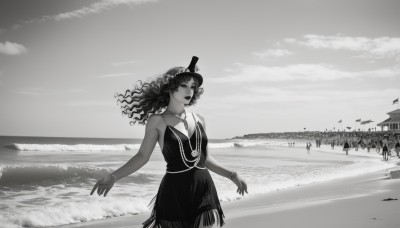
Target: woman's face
(184,92)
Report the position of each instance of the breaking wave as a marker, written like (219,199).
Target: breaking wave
(22,177)
(115,147)
(77,147)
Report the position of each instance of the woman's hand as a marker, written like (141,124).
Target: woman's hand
(104,185)
(240,183)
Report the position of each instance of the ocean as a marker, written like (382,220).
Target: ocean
(47,181)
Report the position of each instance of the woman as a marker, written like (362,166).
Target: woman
(187,196)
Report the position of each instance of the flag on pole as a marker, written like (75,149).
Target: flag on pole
(359,120)
(396,101)
(366,122)
(340,121)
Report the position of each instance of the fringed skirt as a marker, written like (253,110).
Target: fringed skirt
(186,200)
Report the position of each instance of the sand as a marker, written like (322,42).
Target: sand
(349,202)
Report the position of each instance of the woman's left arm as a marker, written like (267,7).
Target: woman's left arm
(214,166)
(217,168)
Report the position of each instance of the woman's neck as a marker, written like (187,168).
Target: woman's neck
(176,109)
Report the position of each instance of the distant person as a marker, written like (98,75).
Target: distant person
(385,148)
(397,148)
(346,147)
(333,144)
(308,147)
(373,144)
(369,145)
(379,145)
(187,196)
(356,145)
(361,143)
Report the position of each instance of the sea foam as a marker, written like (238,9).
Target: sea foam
(77,147)
(110,147)
(74,212)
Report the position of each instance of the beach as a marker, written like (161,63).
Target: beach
(348,202)
(45,182)
(116,113)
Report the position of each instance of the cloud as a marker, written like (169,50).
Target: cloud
(35,91)
(94,8)
(76,90)
(377,48)
(114,75)
(260,94)
(273,53)
(39,91)
(90,103)
(97,8)
(10,48)
(243,73)
(270,96)
(117,64)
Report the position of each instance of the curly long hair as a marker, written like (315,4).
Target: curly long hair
(148,98)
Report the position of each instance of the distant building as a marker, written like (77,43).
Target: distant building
(393,122)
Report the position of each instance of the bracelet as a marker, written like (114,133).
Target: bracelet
(233,175)
(115,178)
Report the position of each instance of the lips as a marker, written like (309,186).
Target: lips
(188,97)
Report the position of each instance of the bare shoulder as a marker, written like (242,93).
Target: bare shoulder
(154,121)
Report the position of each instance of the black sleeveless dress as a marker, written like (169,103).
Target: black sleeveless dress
(187,194)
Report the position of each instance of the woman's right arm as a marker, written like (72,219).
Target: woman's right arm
(136,162)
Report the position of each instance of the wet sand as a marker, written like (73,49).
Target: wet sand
(349,202)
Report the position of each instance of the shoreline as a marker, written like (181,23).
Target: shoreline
(346,202)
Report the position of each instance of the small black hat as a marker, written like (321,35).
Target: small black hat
(191,70)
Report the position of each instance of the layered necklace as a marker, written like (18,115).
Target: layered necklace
(194,152)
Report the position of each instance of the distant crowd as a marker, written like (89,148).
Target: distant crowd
(382,142)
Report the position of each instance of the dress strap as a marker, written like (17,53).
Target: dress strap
(194,117)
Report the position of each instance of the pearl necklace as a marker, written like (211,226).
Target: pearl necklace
(196,153)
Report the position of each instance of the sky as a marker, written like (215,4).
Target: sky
(268,65)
